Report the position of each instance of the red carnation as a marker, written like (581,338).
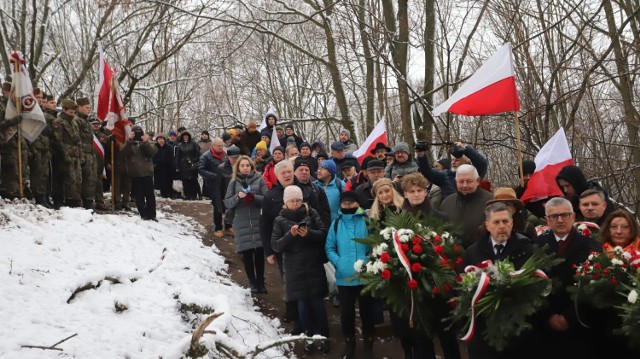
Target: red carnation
(606,271)
(416,267)
(386,274)
(405,247)
(416,240)
(459,261)
(384,257)
(417,249)
(596,266)
(446,287)
(438,249)
(457,248)
(459,279)
(596,276)
(437,239)
(413,284)
(444,262)
(614,281)
(586,232)
(435,290)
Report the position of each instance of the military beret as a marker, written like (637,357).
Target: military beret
(83,101)
(69,104)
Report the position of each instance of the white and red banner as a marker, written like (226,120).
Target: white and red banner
(491,89)
(22,102)
(97,146)
(553,156)
(109,106)
(378,135)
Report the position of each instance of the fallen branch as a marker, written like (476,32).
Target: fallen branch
(52,347)
(196,350)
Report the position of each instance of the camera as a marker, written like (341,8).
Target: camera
(456,151)
(421,146)
(137,137)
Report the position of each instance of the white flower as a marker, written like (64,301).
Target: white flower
(379,249)
(445,235)
(375,267)
(386,233)
(582,227)
(358,265)
(618,250)
(405,235)
(616,262)
(633,297)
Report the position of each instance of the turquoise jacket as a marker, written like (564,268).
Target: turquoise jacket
(333,191)
(342,251)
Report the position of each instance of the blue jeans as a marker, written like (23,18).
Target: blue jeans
(313,316)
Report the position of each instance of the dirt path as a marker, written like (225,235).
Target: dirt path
(272,304)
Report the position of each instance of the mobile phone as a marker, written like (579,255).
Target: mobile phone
(302,225)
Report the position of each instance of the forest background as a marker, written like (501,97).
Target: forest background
(324,65)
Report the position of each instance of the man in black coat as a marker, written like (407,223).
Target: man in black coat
(208,169)
(226,170)
(313,195)
(565,336)
(500,243)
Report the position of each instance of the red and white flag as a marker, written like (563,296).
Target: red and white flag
(378,135)
(109,106)
(97,146)
(22,102)
(553,156)
(491,89)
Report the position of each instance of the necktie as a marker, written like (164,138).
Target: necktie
(499,248)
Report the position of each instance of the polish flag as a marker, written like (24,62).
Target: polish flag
(553,156)
(97,146)
(491,89)
(110,106)
(378,135)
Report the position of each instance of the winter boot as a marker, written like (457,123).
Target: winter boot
(349,348)
(253,285)
(57,203)
(40,200)
(261,288)
(87,204)
(367,351)
(48,202)
(73,203)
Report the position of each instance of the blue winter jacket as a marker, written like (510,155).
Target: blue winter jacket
(333,191)
(342,250)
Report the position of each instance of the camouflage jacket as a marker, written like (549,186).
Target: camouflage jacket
(66,136)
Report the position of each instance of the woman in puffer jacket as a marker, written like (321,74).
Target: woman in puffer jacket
(244,196)
(187,155)
(299,233)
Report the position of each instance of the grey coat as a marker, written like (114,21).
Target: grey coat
(247,211)
(138,158)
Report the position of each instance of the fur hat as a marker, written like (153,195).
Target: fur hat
(292,192)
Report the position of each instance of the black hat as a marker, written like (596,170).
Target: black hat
(233,151)
(365,162)
(205,132)
(265,132)
(528,167)
(350,196)
(349,162)
(300,162)
(304,144)
(137,129)
(278,148)
(445,162)
(182,129)
(226,136)
(380,146)
(375,164)
(322,155)
(288,126)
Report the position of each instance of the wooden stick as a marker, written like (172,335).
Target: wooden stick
(52,347)
(519,149)
(19,134)
(113,174)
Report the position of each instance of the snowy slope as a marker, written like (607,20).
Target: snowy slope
(46,255)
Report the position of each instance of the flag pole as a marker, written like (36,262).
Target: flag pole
(519,144)
(19,134)
(113,176)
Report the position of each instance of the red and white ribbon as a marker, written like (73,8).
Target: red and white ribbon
(480,290)
(404,260)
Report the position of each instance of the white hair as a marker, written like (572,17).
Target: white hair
(281,165)
(558,202)
(467,169)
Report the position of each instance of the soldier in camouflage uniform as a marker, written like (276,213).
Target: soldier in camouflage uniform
(66,147)
(103,136)
(49,108)
(88,157)
(39,158)
(9,177)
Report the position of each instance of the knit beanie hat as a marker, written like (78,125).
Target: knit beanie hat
(381,183)
(344,130)
(292,192)
(329,165)
(261,146)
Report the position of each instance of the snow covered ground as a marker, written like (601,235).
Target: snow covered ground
(152,269)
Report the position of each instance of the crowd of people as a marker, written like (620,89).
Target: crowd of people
(300,205)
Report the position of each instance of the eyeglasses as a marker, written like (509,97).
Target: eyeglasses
(554,217)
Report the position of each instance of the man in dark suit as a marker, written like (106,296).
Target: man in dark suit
(565,335)
(500,243)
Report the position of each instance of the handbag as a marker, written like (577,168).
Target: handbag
(177,185)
